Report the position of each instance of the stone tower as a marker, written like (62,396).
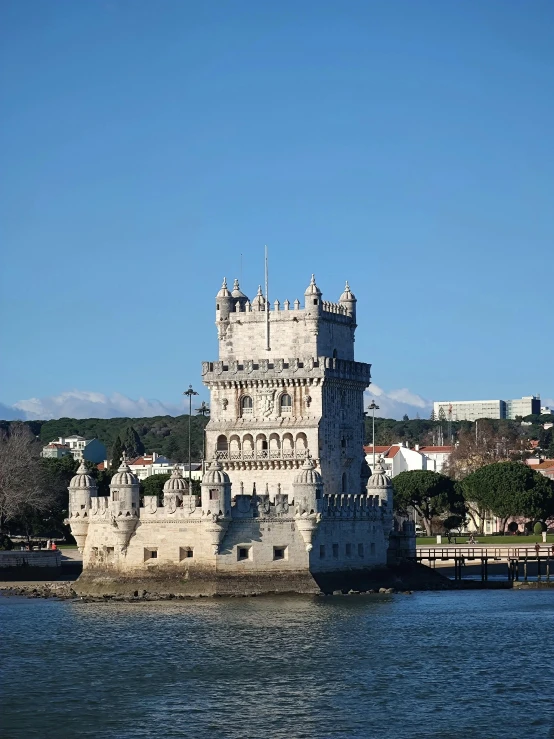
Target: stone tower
(286,386)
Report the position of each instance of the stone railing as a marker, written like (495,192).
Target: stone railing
(250,455)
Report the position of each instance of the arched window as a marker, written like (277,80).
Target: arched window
(344,483)
(286,403)
(222,447)
(246,405)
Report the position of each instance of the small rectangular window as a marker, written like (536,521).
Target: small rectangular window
(214,494)
(322,551)
(336,551)
(349,550)
(360,550)
(185,553)
(244,553)
(372,548)
(279,552)
(150,554)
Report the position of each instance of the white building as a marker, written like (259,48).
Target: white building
(400,457)
(91,450)
(472,410)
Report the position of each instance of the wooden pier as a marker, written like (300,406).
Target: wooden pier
(517,559)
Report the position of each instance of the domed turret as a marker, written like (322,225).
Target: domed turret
(176,483)
(308,500)
(81,488)
(308,474)
(348,300)
(216,503)
(174,489)
(124,502)
(259,301)
(312,297)
(224,303)
(380,485)
(82,480)
(239,297)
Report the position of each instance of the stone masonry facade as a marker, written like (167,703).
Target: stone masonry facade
(285,498)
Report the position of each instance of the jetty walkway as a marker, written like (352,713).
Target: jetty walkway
(522,561)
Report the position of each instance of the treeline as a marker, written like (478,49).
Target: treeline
(167,435)
(429,432)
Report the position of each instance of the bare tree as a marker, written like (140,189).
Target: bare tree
(477,448)
(21,480)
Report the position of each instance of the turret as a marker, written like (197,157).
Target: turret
(239,298)
(308,499)
(216,503)
(216,491)
(224,303)
(259,301)
(381,486)
(174,490)
(124,502)
(348,301)
(312,298)
(81,489)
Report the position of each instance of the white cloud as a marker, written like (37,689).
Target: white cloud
(397,403)
(86,404)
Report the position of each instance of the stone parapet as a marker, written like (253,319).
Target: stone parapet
(286,370)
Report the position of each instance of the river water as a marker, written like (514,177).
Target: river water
(435,665)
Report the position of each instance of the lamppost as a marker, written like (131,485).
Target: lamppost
(190,392)
(373,407)
(203,411)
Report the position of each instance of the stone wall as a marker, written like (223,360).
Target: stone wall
(16,558)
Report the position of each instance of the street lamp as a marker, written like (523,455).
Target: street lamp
(190,392)
(203,411)
(373,407)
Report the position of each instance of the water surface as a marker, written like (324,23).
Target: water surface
(459,665)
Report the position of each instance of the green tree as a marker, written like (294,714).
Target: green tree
(509,489)
(442,414)
(428,493)
(433,417)
(117,452)
(131,443)
(405,417)
(153,485)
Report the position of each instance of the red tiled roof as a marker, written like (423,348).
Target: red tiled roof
(55,445)
(146,459)
(544,465)
(378,449)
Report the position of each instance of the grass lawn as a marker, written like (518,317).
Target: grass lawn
(499,541)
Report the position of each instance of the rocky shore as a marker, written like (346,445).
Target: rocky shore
(59,590)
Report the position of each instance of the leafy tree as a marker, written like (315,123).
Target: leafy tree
(442,414)
(131,443)
(509,489)
(428,493)
(153,485)
(405,417)
(117,452)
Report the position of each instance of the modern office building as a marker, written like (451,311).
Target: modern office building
(471,410)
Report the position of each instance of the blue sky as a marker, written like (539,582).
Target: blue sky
(406,146)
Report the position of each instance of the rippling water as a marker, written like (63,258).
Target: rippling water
(432,665)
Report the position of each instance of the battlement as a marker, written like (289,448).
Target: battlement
(311,367)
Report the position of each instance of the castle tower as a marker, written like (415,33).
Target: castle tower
(268,407)
(81,489)
(124,502)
